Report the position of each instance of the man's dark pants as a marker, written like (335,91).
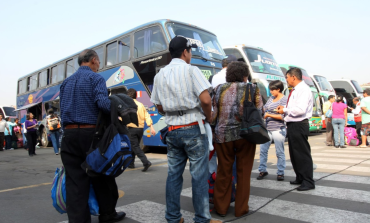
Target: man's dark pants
(2,141)
(300,152)
(8,142)
(75,144)
(135,136)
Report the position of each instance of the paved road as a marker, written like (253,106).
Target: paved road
(25,184)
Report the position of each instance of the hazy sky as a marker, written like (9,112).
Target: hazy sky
(326,37)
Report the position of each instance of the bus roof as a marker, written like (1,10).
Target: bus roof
(244,45)
(290,65)
(160,21)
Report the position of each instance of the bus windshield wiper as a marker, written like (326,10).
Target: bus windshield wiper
(216,59)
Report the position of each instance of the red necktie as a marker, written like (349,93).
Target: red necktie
(290,94)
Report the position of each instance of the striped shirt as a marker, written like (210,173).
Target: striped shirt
(271,107)
(177,88)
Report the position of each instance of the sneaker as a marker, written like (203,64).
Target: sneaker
(280,177)
(343,147)
(262,175)
(56,153)
(11,149)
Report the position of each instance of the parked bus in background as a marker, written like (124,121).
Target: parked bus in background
(130,60)
(262,66)
(325,89)
(349,89)
(8,112)
(315,121)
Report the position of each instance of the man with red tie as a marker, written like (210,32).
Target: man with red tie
(297,113)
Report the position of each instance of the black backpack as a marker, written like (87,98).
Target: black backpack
(253,127)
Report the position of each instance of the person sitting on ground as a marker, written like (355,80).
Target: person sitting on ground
(276,130)
(339,118)
(227,115)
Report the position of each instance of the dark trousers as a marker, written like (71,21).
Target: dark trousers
(226,152)
(75,145)
(8,141)
(1,141)
(300,152)
(135,136)
(329,132)
(358,128)
(31,142)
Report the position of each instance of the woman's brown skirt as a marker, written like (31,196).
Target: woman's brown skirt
(226,152)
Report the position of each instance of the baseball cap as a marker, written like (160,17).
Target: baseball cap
(180,43)
(230,58)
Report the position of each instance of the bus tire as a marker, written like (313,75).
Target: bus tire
(44,137)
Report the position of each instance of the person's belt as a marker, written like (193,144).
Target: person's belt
(80,126)
(195,111)
(174,127)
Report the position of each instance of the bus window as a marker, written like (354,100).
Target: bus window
(75,64)
(111,53)
(149,41)
(44,78)
(57,74)
(124,49)
(54,105)
(100,53)
(357,86)
(22,86)
(235,53)
(28,83)
(70,68)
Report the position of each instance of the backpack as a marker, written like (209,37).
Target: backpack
(53,123)
(349,133)
(110,152)
(253,127)
(58,194)
(212,180)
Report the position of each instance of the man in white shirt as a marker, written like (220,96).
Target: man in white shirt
(297,113)
(220,77)
(3,125)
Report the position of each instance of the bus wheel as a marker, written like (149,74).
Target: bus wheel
(44,138)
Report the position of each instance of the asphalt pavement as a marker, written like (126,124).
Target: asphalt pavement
(25,184)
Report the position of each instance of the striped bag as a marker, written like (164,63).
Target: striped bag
(58,194)
(58,191)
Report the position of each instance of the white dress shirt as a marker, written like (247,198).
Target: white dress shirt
(300,104)
(219,78)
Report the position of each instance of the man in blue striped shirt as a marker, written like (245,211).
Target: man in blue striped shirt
(82,95)
(178,88)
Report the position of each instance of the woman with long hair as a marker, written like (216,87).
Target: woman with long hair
(339,120)
(31,125)
(227,105)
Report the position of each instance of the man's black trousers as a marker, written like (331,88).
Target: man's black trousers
(135,137)
(75,145)
(300,152)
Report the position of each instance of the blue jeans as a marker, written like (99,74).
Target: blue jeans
(182,144)
(338,124)
(279,139)
(55,140)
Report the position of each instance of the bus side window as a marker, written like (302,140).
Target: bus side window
(235,53)
(124,49)
(28,83)
(149,41)
(111,54)
(100,53)
(44,78)
(70,68)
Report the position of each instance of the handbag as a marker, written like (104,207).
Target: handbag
(253,127)
(329,113)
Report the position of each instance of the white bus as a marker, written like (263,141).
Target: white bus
(262,66)
(8,112)
(348,89)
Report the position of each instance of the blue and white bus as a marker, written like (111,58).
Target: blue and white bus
(130,60)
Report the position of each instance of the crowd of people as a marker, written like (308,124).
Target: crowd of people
(189,101)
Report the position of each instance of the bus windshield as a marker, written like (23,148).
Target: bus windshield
(208,46)
(307,78)
(357,86)
(262,62)
(9,111)
(323,83)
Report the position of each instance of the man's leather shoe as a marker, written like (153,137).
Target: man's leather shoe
(146,167)
(262,175)
(296,182)
(118,217)
(303,188)
(221,215)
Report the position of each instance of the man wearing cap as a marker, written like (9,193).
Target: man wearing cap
(181,92)
(220,77)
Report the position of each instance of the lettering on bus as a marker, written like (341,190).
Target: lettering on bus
(151,60)
(272,77)
(201,46)
(206,73)
(266,61)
